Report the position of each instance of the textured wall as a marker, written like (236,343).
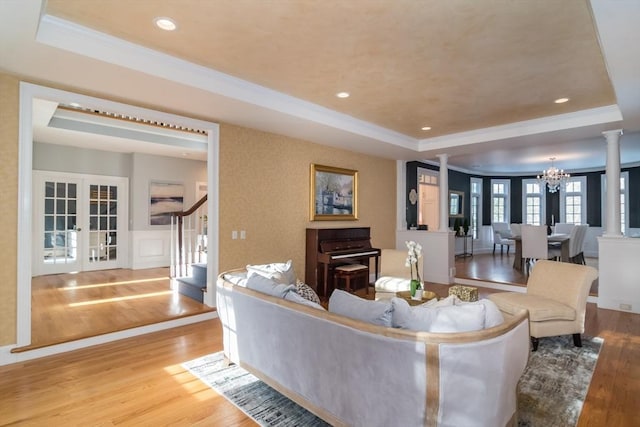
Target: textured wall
(9,89)
(264,189)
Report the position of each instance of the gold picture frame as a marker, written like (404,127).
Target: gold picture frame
(333,194)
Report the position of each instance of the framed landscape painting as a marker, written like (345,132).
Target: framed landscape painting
(164,198)
(333,194)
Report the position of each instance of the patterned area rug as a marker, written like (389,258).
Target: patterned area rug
(551,391)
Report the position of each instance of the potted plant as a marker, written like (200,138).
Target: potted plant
(413,255)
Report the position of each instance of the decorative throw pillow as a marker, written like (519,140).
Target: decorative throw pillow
(307,292)
(437,318)
(293,296)
(281,272)
(268,286)
(493,316)
(375,312)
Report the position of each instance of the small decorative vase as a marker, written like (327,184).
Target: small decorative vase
(414,286)
(418,295)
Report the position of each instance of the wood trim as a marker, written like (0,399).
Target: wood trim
(433,384)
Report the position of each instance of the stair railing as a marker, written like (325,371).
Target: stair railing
(188,242)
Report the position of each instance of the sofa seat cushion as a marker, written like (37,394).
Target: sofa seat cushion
(348,305)
(392,284)
(540,308)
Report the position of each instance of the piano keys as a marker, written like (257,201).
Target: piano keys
(328,248)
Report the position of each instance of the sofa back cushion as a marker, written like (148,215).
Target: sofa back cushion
(268,286)
(348,305)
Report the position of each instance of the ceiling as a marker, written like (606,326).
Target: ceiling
(482,75)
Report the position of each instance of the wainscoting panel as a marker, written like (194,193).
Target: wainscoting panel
(150,249)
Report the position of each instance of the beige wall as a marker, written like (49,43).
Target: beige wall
(9,89)
(264,189)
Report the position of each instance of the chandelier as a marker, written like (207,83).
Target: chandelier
(553,177)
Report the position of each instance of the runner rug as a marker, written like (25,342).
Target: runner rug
(550,393)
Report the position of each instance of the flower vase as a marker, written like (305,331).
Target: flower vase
(415,284)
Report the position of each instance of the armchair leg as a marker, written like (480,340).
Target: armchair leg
(577,340)
(534,344)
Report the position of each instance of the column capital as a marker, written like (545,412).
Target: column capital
(443,157)
(609,133)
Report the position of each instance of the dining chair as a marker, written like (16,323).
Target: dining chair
(535,245)
(515,229)
(563,228)
(501,236)
(576,244)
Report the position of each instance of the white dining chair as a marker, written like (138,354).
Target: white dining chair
(501,236)
(576,244)
(515,229)
(563,228)
(535,245)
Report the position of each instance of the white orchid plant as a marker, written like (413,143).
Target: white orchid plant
(414,253)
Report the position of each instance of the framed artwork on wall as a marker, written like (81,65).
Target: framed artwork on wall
(164,198)
(333,194)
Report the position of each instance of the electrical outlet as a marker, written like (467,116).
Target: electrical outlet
(626,307)
(234,235)
(243,234)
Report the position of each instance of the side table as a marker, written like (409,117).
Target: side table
(465,251)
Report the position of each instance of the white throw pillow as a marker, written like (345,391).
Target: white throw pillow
(268,286)
(281,272)
(492,317)
(437,317)
(375,312)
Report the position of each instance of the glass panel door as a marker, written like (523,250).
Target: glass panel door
(103,223)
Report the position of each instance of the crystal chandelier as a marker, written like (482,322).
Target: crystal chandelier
(553,177)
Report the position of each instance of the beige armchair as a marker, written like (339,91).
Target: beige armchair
(556,299)
(394,276)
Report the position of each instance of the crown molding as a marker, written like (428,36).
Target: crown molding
(66,35)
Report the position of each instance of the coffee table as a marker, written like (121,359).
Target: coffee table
(426,296)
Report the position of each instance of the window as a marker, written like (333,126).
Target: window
(428,198)
(476,206)
(500,200)
(624,200)
(573,201)
(533,202)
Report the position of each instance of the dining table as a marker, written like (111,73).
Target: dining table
(563,239)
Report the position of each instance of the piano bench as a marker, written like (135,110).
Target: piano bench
(349,272)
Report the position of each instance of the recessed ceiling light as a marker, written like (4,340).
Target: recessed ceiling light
(342,94)
(426,128)
(74,105)
(165,23)
(561,100)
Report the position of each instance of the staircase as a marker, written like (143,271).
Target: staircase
(194,286)
(188,268)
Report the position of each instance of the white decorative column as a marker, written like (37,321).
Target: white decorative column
(444,192)
(612,207)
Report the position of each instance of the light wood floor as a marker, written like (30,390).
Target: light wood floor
(67,307)
(139,381)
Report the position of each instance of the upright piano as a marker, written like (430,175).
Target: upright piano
(328,248)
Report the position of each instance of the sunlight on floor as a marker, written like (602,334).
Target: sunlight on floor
(132,297)
(192,384)
(100,285)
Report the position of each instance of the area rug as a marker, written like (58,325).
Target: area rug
(550,393)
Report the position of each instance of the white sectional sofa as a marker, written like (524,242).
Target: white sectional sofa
(352,373)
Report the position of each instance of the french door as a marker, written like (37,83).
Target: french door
(79,222)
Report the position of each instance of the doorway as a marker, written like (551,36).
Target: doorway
(25,269)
